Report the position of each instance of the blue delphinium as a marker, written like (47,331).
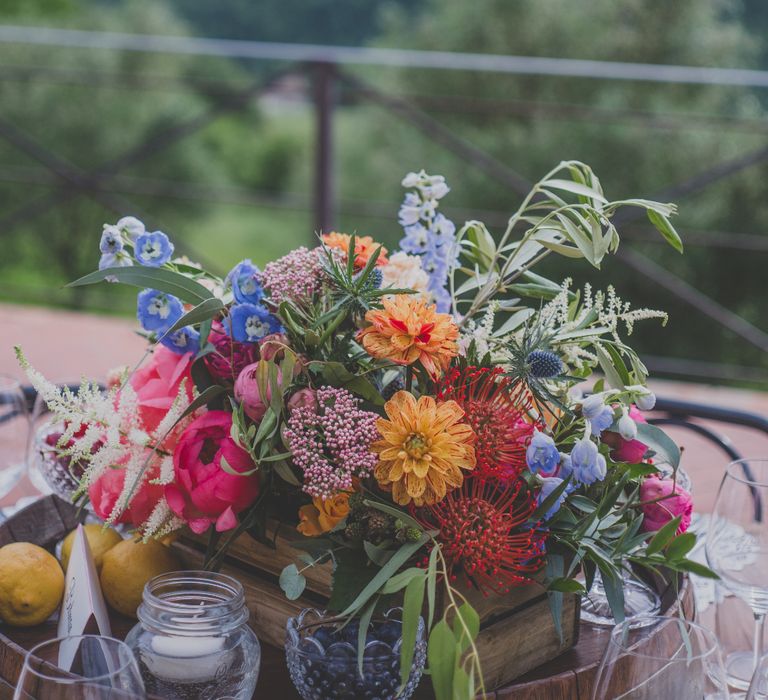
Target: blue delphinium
(182,341)
(153,249)
(119,259)
(542,455)
(249,323)
(587,464)
(600,416)
(111,240)
(130,227)
(245,280)
(548,486)
(428,233)
(158,311)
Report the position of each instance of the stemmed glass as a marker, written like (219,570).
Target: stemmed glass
(14,433)
(667,658)
(737,550)
(86,667)
(758,688)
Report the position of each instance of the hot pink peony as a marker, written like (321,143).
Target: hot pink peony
(230,357)
(629,451)
(157,384)
(674,501)
(105,491)
(203,493)
(248,393)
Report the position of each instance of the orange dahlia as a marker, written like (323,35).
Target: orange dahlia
(408,330)
(423,448)
(364,248)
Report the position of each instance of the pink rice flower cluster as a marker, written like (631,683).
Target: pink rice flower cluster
(331,440)
(294,277)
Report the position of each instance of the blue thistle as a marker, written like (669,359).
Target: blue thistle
(544,364)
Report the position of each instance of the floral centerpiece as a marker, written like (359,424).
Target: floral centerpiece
(418,416)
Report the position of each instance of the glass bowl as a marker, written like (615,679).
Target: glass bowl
(321,653)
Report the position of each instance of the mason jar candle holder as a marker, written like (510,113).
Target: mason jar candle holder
(193,641)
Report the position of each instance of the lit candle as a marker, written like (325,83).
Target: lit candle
(187,659)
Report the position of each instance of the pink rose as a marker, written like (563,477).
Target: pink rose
(105,491)
(303,398)
(157,384)
(230,357)
(629,451)
(248,393)
(674,501)
(203,493)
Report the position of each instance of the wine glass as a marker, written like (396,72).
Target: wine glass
(14,433)
(669,657)
(86,667)
(758,688)
(737,550)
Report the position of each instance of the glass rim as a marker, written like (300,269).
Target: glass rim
(730,470)
(628,650)
(192,576)
(75,680)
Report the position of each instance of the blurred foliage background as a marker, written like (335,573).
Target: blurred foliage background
(192,144)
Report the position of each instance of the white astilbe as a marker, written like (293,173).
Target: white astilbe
(161,522)
(115,436)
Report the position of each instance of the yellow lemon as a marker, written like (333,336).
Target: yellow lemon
(100,539)
(127,567)
(31,584)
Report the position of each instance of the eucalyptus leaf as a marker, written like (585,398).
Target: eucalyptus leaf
(663,445)
(292,582)
(441,654)
(412,602)
(466,616)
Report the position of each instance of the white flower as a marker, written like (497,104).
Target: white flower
(413,179)
(627,427)
(131,226)
(404,271)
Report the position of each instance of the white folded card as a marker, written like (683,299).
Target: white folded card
(83,610)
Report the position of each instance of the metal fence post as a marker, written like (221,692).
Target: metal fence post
(324,83)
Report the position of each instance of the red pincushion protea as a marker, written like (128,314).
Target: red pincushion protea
(230,357)
(486,535)
(495,409)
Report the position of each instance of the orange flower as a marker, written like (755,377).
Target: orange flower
(407,330)
(323,515)
(423,448)
(364,248)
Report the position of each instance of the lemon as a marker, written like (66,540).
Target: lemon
(31,584)
(127,567)
(100,539)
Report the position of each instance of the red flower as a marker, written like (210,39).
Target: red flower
(230,357)
(486,533)
(495,409)
(105,492)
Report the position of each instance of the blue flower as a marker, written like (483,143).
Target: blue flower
(158,311)
(435,265)
(597,413)
(119,259)
(442,299)
(549,485)
(442,229)
(130,226)
(111,240)
(410,210)
(245,279)
(182,341)
(153,249)
(587,464)
(542,455)
(416,239)
(249,323)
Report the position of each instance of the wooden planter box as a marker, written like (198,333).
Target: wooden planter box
(517,632)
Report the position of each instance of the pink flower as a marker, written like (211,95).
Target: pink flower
(272,346)
(105,491)
(303,397)
(157,384)
(674,501)
(629,451)
(230,356)
(248,393)
(203,494)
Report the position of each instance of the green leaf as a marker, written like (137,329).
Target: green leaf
(659,442)
(663,536)
(565,585)
(350,575)
(362,633)
(441,654)
(681,545)
(665,228)
(204,311)
(159,278)
(483,247)
(468,615)
(378,554)
(462,684)
(292,582)
(693,567)
(606,364)
(412,602)
(576,188)
(284,471)
(614,592)
(550,500)
(587,505)
(337,375)
(401,580)
(431,585)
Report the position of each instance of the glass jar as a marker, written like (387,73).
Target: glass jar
(193,641)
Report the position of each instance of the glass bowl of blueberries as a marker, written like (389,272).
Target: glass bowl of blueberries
(321,651)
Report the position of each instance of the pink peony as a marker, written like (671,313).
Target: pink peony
(248,393)
(629,451)
(230,357)
(105,491)
(203,493)
(303,397)
(675,501)
(157,384)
